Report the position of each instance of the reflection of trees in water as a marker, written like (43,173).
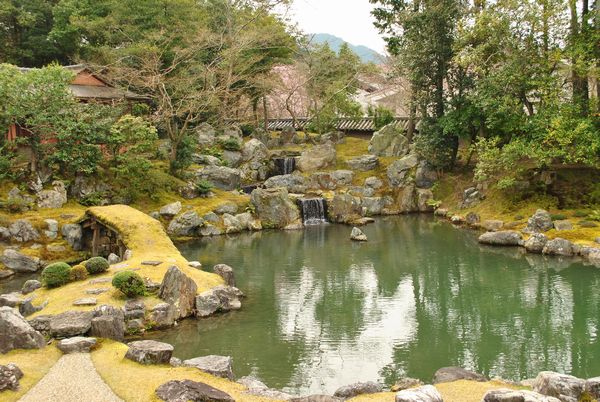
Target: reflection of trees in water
(419,295)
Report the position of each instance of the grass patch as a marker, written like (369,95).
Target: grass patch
(135,382)
(34,363)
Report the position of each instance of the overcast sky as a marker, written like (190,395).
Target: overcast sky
(351,20)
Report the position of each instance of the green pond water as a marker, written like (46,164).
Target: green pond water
(322,311)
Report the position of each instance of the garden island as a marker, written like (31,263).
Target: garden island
(202,200)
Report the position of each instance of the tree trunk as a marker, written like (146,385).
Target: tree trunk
(265,114)
(580,86)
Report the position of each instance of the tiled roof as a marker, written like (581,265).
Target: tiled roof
(343,124)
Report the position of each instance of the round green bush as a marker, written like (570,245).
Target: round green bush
(78,273)
(55,275)
(96,265)
(130,283)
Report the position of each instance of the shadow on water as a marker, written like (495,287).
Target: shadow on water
(323,311)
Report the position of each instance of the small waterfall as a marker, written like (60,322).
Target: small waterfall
(313,210)
(285,165)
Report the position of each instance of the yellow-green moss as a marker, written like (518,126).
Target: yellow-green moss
(147,240)
(135,382)
(34,364)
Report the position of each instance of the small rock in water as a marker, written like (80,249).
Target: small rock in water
(195,264)
(358,235)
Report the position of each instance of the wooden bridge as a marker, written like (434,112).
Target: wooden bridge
(361,125)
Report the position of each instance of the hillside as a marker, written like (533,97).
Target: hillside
(365,53)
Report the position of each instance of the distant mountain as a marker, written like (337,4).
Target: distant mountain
(365,53)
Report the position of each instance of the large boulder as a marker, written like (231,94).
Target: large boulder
(254,150)
(560,247)
(564,387)
(342,177)
(274,207)
(424,199)
(222,177)
(536,243)
(317,157)
(23,231)
(426,393)
(170,210)
(218,299)
(178,290)
(398,171)
(220,366)
(359,388)
(188,390)
(389,141)
(501,238)
(108,322)
(18,262)
(70,323)
(186,224)
(511,395)
(9,377)
(205,135)
(408,199)
(17,333)
(231,224)
(344,208)
(149,352)
(248,222)
(73,234)
(233,159)
(294,183)
(449,374)
(539,222)
(55,198)
(163,315)
(225,272)
(363,163)
(426,175)
(373,205)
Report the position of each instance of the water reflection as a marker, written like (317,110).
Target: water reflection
(323,311)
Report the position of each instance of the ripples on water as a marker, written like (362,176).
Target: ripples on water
(323,311)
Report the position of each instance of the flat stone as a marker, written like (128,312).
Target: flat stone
(152,263)
(220,366)
(563,225)
(187,390)
(100,280)
(77,344)
(511,395)
(88,301)
(97,291)
(449,374)
(359,388)
(70,323)
(426,393)
(149,352)
(501,238)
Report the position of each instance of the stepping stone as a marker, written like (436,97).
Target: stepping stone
(219,366)
(151,263)
(78,344)
(188,390)
(99,280)
(88,301)
(149,352)
(121,265)
(97,291)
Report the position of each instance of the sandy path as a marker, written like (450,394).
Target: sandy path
(72,379)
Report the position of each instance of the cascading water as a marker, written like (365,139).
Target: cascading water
(285,165)
(313,210)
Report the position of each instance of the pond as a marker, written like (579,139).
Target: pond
(323,311)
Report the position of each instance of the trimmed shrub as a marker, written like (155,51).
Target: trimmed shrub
(55,275)
(129,283)
(96,265)
(78,273)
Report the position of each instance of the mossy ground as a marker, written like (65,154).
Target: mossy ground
(34,363)
(134,382)
(501,205)
(146,238)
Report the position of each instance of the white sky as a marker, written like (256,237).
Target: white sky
(351,20)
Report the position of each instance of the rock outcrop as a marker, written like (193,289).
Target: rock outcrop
(218,299)
(186,224)
(179,290)
(222,177)
(187,390)
(389,141)
(274,207)
(18,262)
(17,333)
(317,157)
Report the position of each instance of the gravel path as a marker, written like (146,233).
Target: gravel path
(72,379)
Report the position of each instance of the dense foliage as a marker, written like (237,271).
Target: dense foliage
(514,78)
